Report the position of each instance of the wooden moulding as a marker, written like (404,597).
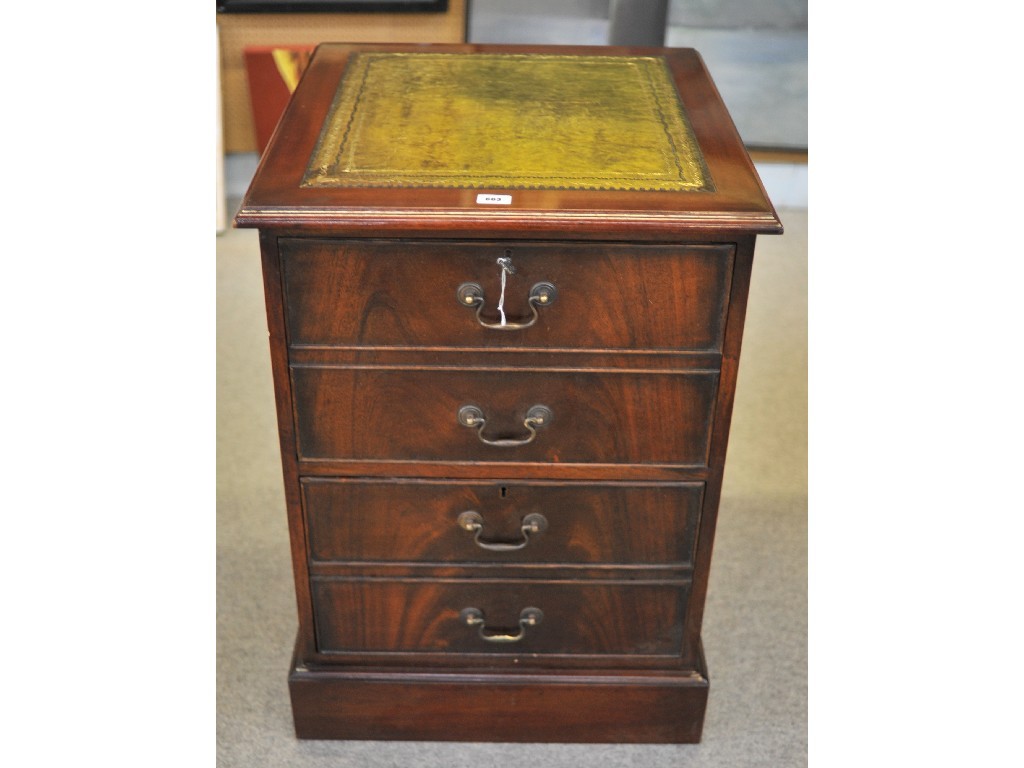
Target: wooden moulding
(454,705)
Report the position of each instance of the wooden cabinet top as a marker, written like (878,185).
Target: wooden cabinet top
(521,141)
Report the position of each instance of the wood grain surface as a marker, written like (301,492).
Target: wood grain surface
(411,414)
(383,293)
(366,521)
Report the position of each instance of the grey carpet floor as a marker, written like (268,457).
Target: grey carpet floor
(755,625)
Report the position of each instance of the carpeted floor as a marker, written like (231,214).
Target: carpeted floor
(755,625)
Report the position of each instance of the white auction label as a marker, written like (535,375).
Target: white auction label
(494,199)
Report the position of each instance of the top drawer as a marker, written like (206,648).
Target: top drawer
(396,293)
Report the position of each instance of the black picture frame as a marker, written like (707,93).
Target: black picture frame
(332,6)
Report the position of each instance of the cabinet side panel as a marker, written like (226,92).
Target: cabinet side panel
(719,436)
(286,430)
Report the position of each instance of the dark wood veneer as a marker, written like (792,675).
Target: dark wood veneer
(389,413)
(585,617)
(385,521)
(340,703)
(373,357)
(609,297)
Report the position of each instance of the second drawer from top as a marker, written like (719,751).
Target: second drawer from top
(556,416)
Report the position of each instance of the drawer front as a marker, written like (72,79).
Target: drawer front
(519,523)
(351,293)
(425,616)
(414,415)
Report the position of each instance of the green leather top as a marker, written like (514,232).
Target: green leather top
(511,121)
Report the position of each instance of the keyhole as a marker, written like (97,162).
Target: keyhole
(504,491)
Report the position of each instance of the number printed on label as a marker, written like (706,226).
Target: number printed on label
(494,199)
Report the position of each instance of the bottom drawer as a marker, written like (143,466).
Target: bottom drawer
(490,616)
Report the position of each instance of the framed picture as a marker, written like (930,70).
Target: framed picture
(273,73)
(332,6)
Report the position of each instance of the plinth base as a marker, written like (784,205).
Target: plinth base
(460,705)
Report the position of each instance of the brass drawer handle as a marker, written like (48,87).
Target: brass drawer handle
(470,416)
(474,617)
(472,295)
(474,522)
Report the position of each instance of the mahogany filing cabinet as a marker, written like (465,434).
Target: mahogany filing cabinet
(505,289)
